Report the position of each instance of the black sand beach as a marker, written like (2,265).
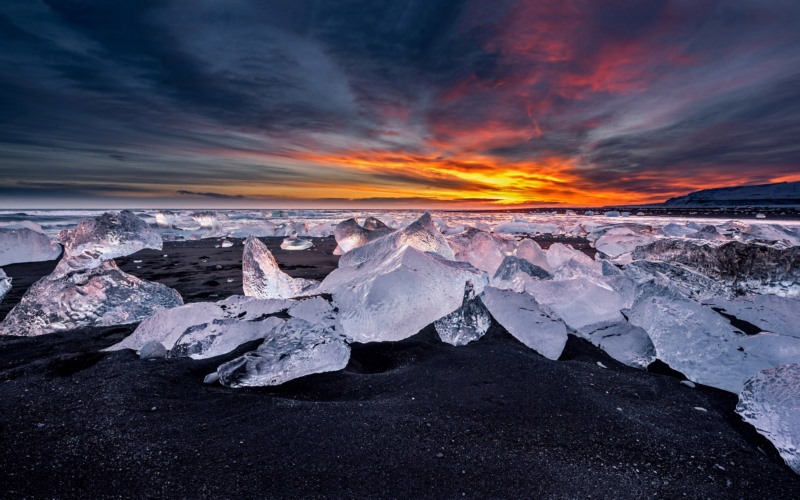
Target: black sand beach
(417,418)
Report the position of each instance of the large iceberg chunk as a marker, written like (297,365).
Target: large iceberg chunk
(691,283)
(618,241)
(514,273)
(294,349)
(263,279)
(566,262)
(26,245)
(745,269)
(624,342)
(421,234)
(481,249)
(520,314)
(5,284)
(386,299)
(99,296)
(770,313)
(102,238)
(467,323)
(702,344)
(770,401)
(349,234)
(583,303)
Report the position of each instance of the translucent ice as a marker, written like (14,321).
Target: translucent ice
(770,401)
(207,219)
(421,234)
(26,245)
(514,273)
(521,315)
(481,249)
(744,268)
(165,218)
(770,313)
(5,284)
(533,253)
(691,283)
(99,296)
(467,323)
(624,342)
(99,239)
(566,262)
(583,303)
(349,234)
(262,278)
(391,298)
(621,240)
(702,344)
(295,349)
(292,242)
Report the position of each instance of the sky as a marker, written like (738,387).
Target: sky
(369,103)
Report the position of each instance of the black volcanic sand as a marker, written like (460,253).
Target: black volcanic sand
(416,418)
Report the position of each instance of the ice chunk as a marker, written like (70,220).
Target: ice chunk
(152,350)
(100,296)
(5,284)
(26,245)
(770,313)
(102,238)
(566,262)
(708,232)
(260,229)
(467,323)
(221,336)
(294,243)
(677,230)
(514,273)
(520,314)
(583,303)
(701,344)
(612,213)
(770,401)
(207,219)
(533,253)
(295,349)
(691,284)
(421,234)
(395,297)
(621,240)
(524,227)
(262,278)
(745,269)
(165,218)
(481,249)
(624,342)
(350,235)
(227,243)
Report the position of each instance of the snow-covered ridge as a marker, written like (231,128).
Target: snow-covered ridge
(779,194)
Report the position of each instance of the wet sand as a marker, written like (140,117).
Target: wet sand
(416,418)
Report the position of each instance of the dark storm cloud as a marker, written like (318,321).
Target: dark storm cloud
(183,192)
(200,93)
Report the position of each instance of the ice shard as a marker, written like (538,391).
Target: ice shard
(5,284)
(481,249)
(421,234)
(99,239)
(770,402)
(514,273)
(624,342)
(349,234)
(295,349)
(702,344)
(26,245)
(618,241)
(392,297)
(770,313)
(520,314)
(566,262)
(746,269)
(263,279)
(98,296)
(293,242)
(582,303)
(467,323)
(533,253)
(691,283)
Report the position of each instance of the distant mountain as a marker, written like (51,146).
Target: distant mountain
(780,194)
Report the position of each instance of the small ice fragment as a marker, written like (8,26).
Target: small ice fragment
(294,243)
(700,408)
(601,365)
(152,350)
(262,278)
(211,378)
(227,244)
(5,284)
(137,261)
(467,323)
(688,383)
